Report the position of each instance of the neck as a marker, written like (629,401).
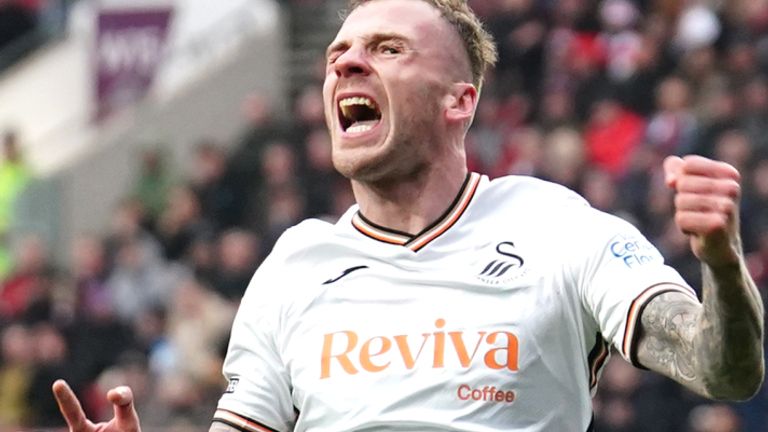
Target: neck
(410,203)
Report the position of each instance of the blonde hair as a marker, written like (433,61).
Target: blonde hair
(479,44)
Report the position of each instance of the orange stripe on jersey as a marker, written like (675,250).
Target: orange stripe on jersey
(240,422)
(636,309)
(447,222)
(596,359)
(377,233)
(433,231)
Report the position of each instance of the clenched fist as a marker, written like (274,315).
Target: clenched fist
(707,195)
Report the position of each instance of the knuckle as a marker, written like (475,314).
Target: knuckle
(680,200)
(681,220)
(733,189)
(727,206)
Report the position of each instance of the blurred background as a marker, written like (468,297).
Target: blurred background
(153,151)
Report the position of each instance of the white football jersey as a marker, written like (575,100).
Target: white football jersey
(498,317)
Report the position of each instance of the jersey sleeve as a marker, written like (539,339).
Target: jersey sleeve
(258,397)
(620,272)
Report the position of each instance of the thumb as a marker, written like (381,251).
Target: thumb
(125,413)
(673,166)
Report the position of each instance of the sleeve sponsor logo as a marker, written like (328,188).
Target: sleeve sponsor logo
(634,251)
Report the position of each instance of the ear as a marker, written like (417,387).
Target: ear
(461,103)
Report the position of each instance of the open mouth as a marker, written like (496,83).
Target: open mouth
(358,114)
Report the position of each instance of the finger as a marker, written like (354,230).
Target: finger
(673,166)
(699,165)
(69,406)
(701,223)
(705,204)
(125,413)
(708,186)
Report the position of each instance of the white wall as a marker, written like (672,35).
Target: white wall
(48,98)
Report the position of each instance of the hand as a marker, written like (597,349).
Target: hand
(125,420)
(707,206)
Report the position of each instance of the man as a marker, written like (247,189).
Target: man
(446,301)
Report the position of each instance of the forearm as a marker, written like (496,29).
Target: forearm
(715,348)
(729,335)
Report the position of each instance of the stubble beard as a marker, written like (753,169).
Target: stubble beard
(404,154)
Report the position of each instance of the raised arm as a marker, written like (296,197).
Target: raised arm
(714,348)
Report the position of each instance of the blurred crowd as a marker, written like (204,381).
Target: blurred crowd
(592,94)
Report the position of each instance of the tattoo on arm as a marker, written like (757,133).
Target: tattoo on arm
(714,348)
(667,333)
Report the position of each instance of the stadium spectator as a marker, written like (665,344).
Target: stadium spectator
(26,286)
(672,127)
(14,177)
(218,190)
(611,135)
(141,280)
(239,254)
(319,178)
(563,159)
(16,371)
(51,357)
(182,223)
(153,183)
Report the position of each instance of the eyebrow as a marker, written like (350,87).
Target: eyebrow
(369,39)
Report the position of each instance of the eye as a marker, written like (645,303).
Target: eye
(334,52)
(389,49)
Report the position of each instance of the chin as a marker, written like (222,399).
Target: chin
(355,169)
(388,168)
(360,162)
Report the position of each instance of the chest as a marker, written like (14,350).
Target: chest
(482,318)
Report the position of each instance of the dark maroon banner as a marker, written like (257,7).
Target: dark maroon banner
(129,47)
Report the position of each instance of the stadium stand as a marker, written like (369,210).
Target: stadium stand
(139,286)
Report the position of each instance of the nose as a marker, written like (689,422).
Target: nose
(352,62)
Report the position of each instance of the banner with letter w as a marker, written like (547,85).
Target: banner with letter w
(129,47)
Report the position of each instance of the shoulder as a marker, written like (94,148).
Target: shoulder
(297,250)
(544,203)
(301,240)
(530,192)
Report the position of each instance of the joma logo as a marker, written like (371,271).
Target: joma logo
(345,349)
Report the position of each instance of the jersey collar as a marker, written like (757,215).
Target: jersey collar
(431,232)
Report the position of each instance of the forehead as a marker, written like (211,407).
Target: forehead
(413,19)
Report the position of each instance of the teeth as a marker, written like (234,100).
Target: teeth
(359,114)
(359,128)
(352,101)
(358,100)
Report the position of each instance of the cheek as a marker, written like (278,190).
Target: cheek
(328,105)
(328,86)
(422,103)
